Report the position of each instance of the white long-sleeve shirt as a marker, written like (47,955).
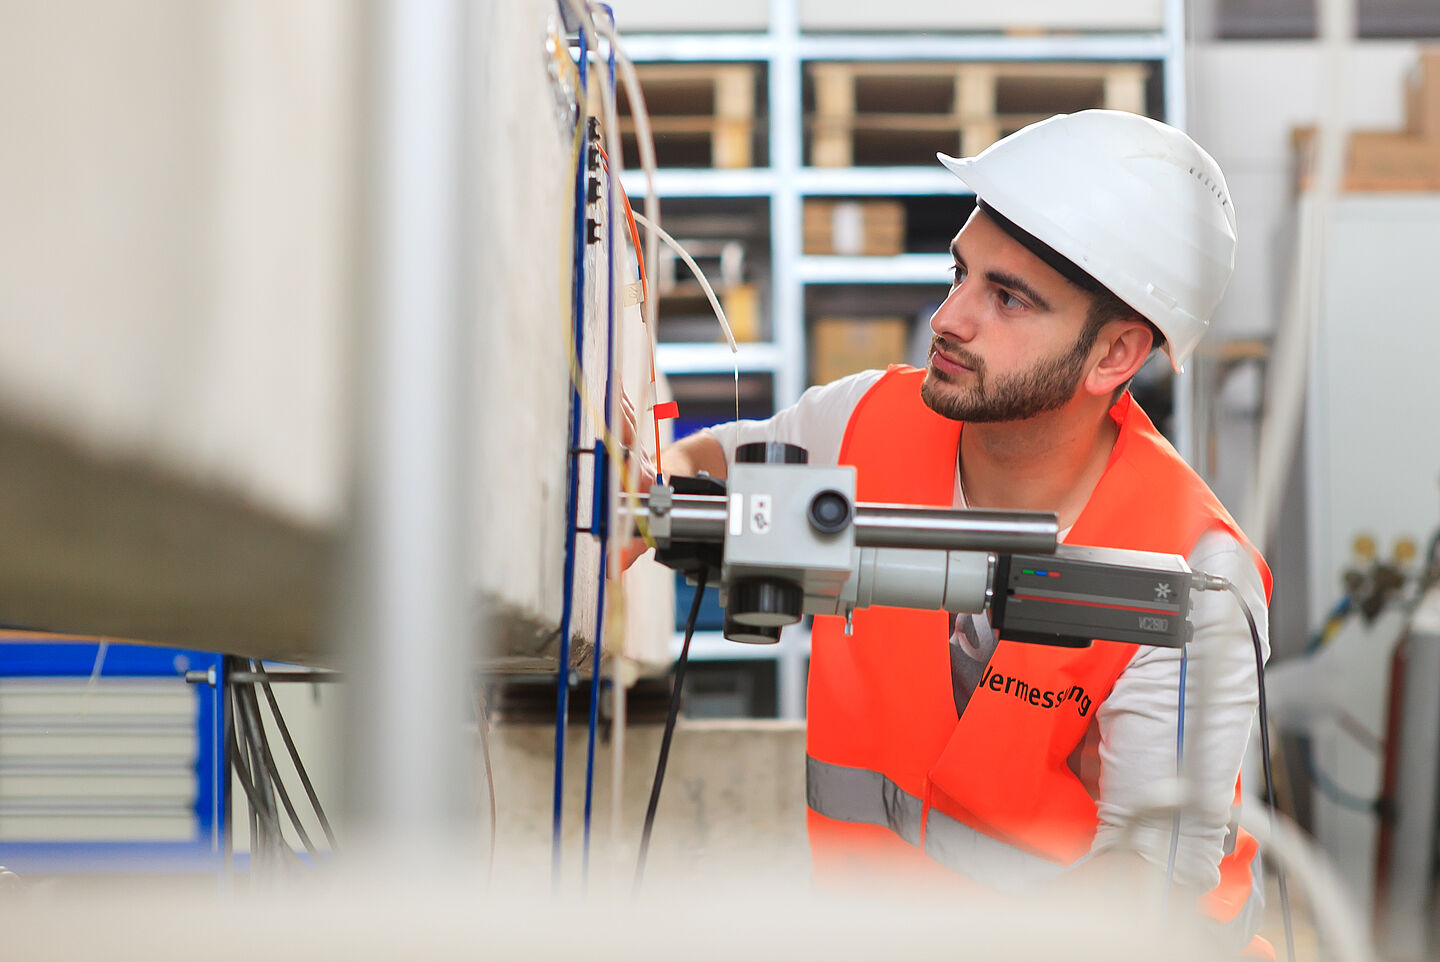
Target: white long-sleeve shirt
(1137,723)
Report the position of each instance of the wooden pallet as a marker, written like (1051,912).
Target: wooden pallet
(900,113)
(700,114)
(854,227)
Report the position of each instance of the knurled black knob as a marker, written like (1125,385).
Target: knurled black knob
(750,634)
(765,602)
(771,452)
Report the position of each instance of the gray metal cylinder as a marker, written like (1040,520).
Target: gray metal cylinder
(956,581)
(698,517)
(895,526)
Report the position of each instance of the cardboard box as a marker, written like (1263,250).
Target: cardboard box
(742,310)
(844,345)
(1422,96)
(873,228)
(687,316)
(1385,161)
(1376,160)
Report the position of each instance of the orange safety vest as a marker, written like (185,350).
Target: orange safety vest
(1005,793)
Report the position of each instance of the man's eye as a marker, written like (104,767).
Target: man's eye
(1010,301)
(957,274)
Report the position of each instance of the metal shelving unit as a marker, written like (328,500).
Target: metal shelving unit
(784,50)
(900,269)
(717,359)
(791,655)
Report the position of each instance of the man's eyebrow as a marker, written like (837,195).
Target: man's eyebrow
(1006,279)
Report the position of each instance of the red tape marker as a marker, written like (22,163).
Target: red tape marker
(667,411)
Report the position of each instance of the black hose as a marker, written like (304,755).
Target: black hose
(259,774)
(251,706)
(267,834)
(240,737)
(1265,758)
(259,668)
(242,775)
(669,727)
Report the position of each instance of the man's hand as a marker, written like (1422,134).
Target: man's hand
(642,470)
(629,431)
(686,458)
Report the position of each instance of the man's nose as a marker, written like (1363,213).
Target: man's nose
(955,318)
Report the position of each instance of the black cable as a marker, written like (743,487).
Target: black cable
(242,775)
(258,772)
(669,727)
(259,667)
(264,838)
(241,762)
(264,777)
(1265,757)
(252,709)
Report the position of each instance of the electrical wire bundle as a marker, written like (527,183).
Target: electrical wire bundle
(247,746)
(598,169)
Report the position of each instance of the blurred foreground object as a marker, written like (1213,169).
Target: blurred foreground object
(181,264)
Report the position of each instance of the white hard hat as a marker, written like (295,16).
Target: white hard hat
(1134,203)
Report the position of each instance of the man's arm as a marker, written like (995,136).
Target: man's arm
(816,423)
(1138,726)
(689,456)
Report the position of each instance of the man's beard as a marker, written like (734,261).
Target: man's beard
(1046,386)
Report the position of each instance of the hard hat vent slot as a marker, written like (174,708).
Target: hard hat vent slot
(1213,187)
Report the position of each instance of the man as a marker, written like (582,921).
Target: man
(1098,237)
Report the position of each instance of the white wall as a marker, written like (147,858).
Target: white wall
(1245,98)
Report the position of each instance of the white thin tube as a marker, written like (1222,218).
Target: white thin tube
(94,680)
(674,245)
(1291,354)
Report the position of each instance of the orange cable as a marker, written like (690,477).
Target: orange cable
(644,293)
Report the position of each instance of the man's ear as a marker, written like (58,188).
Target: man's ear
(1120,352)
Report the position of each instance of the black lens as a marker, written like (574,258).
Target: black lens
(829,512)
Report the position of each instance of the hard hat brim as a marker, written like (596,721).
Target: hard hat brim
(959,166)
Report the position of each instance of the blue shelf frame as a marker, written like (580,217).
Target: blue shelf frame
(204,852)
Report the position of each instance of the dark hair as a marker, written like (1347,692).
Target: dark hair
(1106,307)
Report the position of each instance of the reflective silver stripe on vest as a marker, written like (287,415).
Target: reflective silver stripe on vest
(866,797)
(862,796)
(988,861)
